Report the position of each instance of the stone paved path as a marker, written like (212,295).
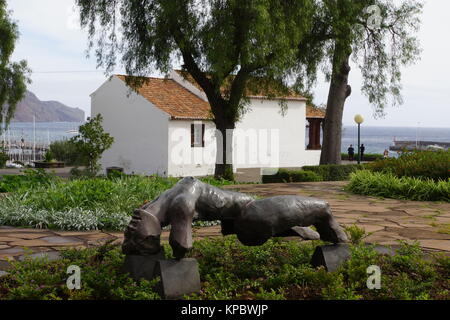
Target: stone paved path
(388,220)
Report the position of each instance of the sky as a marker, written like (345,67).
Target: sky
(56,50)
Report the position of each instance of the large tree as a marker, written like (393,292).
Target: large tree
(221,43)
(379,36)
(13,75)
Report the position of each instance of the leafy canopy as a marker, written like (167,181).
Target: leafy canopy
(13,75)
(379,35)
(214,39)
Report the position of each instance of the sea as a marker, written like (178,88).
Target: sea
(376,139)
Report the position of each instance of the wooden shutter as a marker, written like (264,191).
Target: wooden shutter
(192,135)
(203,135)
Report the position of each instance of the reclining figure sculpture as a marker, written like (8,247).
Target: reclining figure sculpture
(253,221)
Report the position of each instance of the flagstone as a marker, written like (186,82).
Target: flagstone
(443,245)
(20,230)
(4,246)
(28,236)
(371,228)
(44,243)
(11,251)
(76,233)
(7,239)
(95,236)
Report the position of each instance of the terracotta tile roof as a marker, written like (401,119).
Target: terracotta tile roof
(251,93)
(312,112)
(173,99)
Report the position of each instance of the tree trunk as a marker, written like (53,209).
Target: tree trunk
(224,162)
(338,94)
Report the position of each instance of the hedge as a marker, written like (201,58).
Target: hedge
(388,185)
(334,172)
(285,176)
(421,164)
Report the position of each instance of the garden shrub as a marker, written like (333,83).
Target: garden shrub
(40,279)
(333,172)
(3,159)
(286,176)
(68,152)
(420,164)
(388,185)
(277,270)
(367,157)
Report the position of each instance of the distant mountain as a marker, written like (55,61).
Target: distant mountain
(46,111)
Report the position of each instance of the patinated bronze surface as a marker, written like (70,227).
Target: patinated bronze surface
(253,221)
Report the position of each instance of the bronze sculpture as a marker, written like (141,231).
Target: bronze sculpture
(253,221)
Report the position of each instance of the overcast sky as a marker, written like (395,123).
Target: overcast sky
(51,42)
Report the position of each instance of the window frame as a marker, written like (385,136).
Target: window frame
(198,145)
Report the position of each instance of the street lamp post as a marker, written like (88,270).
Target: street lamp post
(359,120)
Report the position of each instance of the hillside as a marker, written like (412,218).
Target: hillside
(46,111)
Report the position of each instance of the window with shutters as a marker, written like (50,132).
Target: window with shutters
(198,135)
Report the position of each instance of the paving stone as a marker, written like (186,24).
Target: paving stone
(28,236)
(3,246)
(96,236)
(76,233)
(371,228)
(20,230)
(51,256)
(443,245)
(7,239)
(60,240)
(15,250)
(44,243)
(417,234)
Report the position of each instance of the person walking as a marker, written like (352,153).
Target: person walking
(351,153)
(363,149)
(386,153)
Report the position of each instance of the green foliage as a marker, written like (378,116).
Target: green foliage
(356,234)
(420,164)
(389,186)
(333,172)
(49,157)
(277,270)
(3,159)
(347,29)
(93,141)
(367,156)
(80,204)
(14,76)
(287,176)
(29,180)
(68,152)
(39,279)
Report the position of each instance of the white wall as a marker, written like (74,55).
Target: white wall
(266,115)
(263,122)
(185,160)
(140,130)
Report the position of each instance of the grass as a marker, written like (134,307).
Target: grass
(278,270)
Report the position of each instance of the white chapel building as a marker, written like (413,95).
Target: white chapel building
(165,128)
